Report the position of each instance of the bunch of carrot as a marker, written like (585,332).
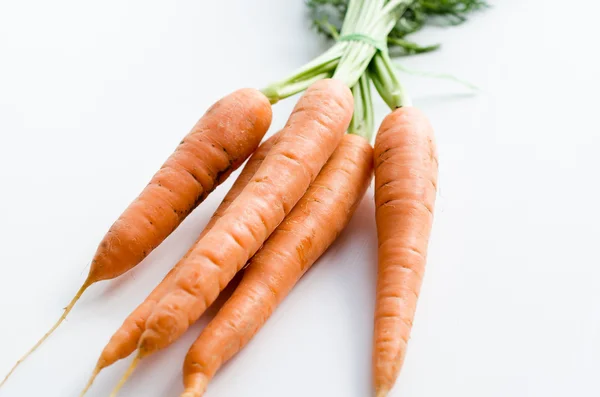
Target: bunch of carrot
(294,196)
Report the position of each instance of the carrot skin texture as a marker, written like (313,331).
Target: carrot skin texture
(125,340)
(406,170)
(310,136)
(312,226)
(221,140)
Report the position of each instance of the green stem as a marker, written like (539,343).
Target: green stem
(411,47)
(386,81)
(346,60)
(276,93)
(363,120)
(319,68)
(442,76)
(357,56)
(377,20)
(368,29)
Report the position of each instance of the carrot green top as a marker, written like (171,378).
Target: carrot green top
(367,34)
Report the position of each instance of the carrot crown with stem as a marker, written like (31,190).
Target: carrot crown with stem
(368,33)
(365,29)
(364,32)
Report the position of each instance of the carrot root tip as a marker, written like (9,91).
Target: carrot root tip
(195,385)
(66,312)
(189,393)
(90,381)
(382,393)
(126,376)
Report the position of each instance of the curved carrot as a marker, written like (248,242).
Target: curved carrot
(406,167)
(125,340)
(311,227)
(219,143)
(310,136)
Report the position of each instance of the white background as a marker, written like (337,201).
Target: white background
(95,95)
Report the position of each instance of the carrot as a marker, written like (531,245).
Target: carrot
(405,188)
(311,227)
(125,340)
(219,143)
(310,136)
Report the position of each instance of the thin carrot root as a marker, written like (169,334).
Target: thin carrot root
(66,312)
(126,376)
(90,381)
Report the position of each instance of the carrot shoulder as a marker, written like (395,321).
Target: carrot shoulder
(311,227)
(125,340)
(310,136)
(219,143)
(405,188)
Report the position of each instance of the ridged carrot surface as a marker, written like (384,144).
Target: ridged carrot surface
(304,235)
(310,136)
(406,169)
(125,340)
(220,142)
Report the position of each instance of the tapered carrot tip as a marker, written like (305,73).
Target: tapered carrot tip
(66,312)
(190,393)
(126,376)
(382,393)
(91,381)
(195,385)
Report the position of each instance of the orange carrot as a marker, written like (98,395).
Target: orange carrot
(405,188)
(311,227)
(310,136)
(125,340)
(219,143)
